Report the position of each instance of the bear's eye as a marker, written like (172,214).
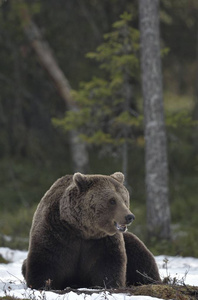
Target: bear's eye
(112,201)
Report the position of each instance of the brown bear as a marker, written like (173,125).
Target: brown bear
(78,237)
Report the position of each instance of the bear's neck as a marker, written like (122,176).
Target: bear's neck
(77,229)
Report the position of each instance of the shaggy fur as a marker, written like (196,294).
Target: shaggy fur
(77,237)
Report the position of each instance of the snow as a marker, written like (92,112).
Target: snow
(13,284)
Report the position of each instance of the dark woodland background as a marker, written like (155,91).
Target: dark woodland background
(34,152)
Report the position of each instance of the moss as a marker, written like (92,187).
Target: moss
(167,291)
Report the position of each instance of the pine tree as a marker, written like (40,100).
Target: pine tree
(107,115)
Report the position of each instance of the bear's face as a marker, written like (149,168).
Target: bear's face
(97,205)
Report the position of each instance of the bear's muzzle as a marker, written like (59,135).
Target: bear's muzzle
(123,227)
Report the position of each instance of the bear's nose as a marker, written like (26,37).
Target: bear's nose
(130,218)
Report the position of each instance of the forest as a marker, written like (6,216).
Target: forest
(37,126)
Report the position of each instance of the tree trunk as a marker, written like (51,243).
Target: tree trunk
(158,211)
(48,62)
(195,111)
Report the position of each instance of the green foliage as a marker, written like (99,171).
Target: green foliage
(118,54)
(125,119)
(180,119)
(98,138)
(105,114)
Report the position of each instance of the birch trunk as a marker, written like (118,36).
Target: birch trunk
(48,62)
(157,192)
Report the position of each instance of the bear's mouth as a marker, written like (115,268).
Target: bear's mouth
(121,227)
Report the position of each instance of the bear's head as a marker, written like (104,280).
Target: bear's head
(96,205)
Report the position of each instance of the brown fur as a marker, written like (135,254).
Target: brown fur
(74,240)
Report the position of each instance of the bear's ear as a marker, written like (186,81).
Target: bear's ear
(81,182)
(118,176)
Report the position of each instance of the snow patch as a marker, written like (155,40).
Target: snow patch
(12,282)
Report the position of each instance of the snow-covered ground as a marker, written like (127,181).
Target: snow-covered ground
(12,282)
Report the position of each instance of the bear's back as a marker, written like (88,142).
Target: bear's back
(56,191)
(48,207)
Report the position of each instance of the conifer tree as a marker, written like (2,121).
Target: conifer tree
(107,115)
